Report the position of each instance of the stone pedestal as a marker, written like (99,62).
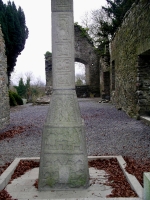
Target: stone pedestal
(63,162)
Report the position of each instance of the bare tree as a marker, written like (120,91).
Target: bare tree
(92,21)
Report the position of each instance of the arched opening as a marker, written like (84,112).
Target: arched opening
(80,75)
(82,88)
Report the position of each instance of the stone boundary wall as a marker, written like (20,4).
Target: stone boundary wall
(4,97)
(130,59)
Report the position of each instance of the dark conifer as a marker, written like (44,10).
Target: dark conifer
(15,32)
(116,11)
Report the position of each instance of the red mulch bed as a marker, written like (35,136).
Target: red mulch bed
(5,196)
(12,133)
(116,178)
(23,166)
(3,168)
(137,167)
(36,184)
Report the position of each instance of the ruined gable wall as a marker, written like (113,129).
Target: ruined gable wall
(4,98)
(86,54)
(131,40)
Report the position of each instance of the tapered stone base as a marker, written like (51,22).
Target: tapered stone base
(63,161)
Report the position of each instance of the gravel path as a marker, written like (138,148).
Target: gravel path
(109,132)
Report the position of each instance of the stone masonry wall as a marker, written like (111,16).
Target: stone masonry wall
(84,53)
(104,64)
(4,98)
(130,61)
(48,72)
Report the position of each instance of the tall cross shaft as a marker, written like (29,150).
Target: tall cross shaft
(63,161)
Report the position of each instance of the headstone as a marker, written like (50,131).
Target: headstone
(63,161)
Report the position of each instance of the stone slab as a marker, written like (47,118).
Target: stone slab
(135,185)
(6,175)
(24,188)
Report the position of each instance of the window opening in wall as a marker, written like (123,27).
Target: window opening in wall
(143,83)
(113,75)
(82,89)
(80,78)
(106,78)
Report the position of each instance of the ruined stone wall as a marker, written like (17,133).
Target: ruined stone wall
(48,72)
(130,61)
(4,98)
(86,54)
(104,64)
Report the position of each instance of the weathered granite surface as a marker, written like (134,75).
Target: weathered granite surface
(63,160)
(4,98)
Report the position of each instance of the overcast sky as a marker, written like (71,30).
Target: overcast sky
(38,21)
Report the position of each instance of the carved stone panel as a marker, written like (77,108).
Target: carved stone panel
(64,110)
(63,65)
(64,170)
(63,51)
(62,5)
(62,140)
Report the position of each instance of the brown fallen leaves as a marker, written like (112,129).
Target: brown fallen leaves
(5,196)
(36,184)
(3,168)
(116,178)
(12,133)
(22,167)
(137,168)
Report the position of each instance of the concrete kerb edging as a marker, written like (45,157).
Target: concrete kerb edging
(135,185)
(6,176)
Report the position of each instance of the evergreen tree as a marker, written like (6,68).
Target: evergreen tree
(15,32)
(21,88)
(116,11)
(28,89)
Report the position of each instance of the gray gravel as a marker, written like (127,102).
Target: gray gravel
(108,130)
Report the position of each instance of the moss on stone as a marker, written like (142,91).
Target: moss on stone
(51,182)
(79,181)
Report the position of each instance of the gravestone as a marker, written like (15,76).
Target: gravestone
(63,161)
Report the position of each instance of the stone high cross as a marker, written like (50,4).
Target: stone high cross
(63,161)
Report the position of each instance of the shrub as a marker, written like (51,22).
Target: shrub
(12,101)
(15,99)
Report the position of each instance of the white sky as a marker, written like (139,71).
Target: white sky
(38,21)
